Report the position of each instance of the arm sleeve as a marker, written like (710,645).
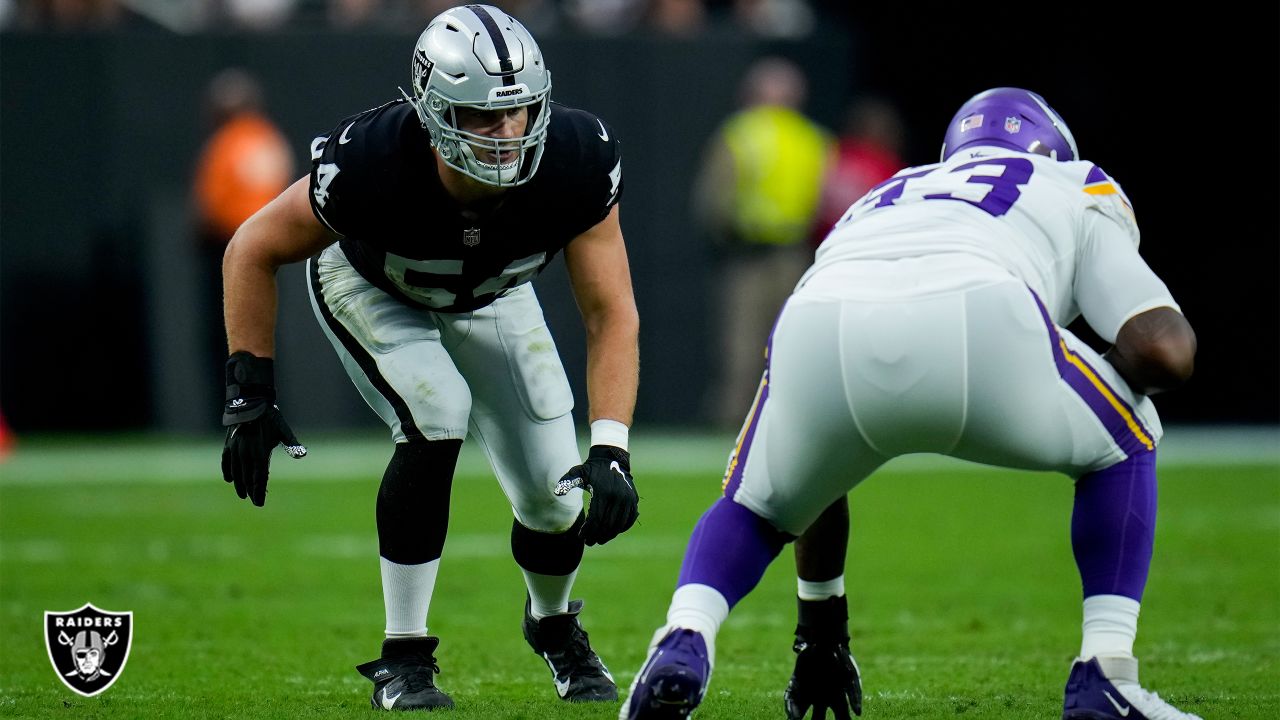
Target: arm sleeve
(1113,283)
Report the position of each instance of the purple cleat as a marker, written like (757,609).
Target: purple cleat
(673,679)
(1106,688)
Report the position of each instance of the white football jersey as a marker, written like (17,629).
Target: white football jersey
(1066,229)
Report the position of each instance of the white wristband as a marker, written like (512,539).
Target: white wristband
(609,432)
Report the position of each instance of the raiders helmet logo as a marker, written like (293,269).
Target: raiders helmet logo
(421,71)
(88,647)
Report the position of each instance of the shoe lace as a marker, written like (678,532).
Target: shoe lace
(1152,705)
(418,676)
(577,651)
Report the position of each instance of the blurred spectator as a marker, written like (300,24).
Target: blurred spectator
(260,15)
(867,152)
(680,18)
(70,15)
(784,19)
(757,193)
(605,17)
(348,14)
(7,439)
(244,164)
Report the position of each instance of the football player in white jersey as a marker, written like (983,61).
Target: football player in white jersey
(933,321)
(425,220)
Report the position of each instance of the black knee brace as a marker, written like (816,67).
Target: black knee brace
(413,501)
(547,553)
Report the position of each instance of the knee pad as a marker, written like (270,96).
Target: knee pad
(547,553)
(413,500)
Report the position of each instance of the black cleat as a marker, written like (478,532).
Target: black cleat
(575,668)
(404,677)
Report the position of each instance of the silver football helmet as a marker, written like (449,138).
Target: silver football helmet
(477,56)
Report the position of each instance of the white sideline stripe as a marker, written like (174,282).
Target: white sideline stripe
(57,462)
(350,546)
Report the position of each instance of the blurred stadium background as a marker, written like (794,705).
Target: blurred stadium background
(106,382)
(102,325)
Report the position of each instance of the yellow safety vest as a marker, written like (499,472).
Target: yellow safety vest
(779,159)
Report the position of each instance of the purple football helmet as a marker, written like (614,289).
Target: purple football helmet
(1010,118)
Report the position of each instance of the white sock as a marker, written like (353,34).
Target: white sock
(406,593)
(1110,625)
(548,594)
(820,590)
(701,608)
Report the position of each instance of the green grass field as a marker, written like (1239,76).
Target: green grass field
(963,592)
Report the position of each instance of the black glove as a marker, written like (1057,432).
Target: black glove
(826,675)
(614,503)
(254,426)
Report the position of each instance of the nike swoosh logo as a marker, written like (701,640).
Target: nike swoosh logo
(562,686)
(343,140)
(389,701)
(603,134)
(614,466)
(1124,711)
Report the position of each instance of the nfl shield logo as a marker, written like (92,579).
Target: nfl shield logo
(1012,124)
(88,647)
(471,237)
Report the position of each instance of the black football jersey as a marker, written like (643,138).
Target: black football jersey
(374,182)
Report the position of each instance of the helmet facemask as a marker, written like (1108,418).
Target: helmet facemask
(478,156)
(479,58)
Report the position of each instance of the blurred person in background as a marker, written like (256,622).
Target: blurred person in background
(425,221)
(756,195)
(677,18)
(933,321)
(244,164)
(867,152)
(605,17)
(74,16)
(260,15)
(538,16)
(776,19)
(352,14)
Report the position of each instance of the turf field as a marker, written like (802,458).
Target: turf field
(964,596)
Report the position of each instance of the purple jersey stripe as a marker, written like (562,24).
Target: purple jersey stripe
(1117,417)
(1095,175)
(737,461)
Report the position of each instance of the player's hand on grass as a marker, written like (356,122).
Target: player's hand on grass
(614,503)
(825,678)
(254,425)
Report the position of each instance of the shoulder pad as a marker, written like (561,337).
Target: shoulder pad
(1106,196)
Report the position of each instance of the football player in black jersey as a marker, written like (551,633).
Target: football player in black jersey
(425,220)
